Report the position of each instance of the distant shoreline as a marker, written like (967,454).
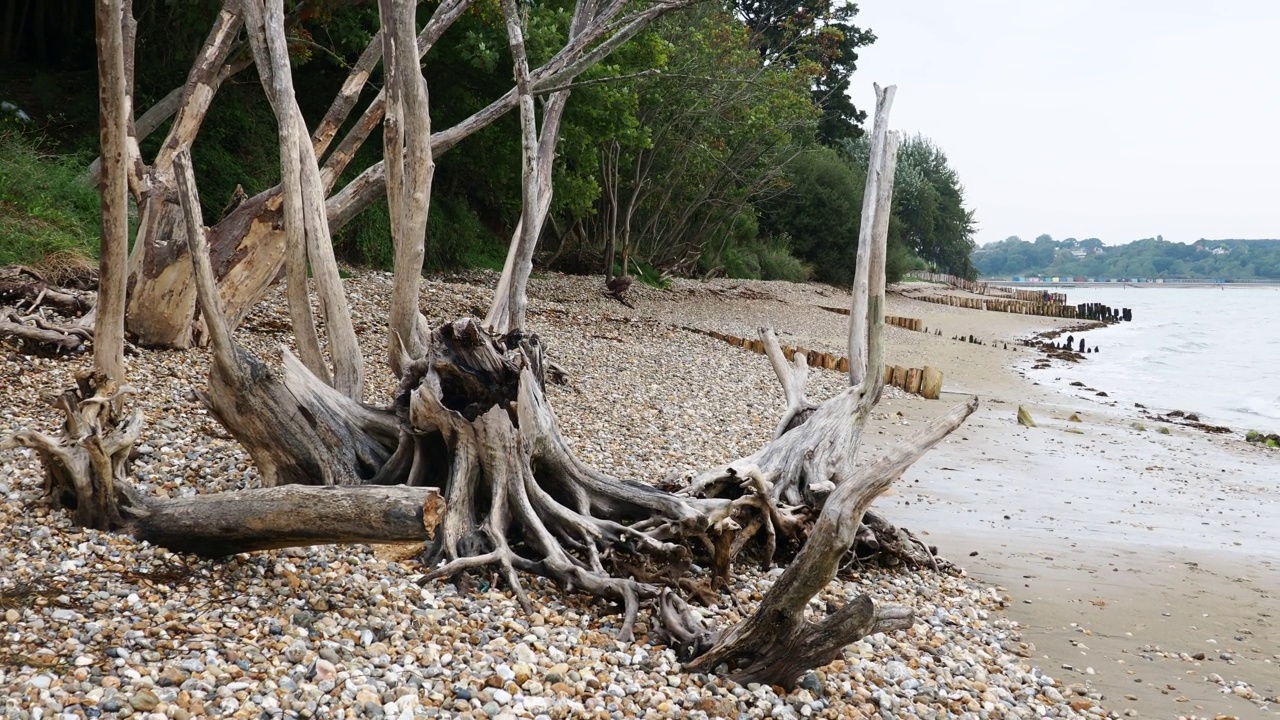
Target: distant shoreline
(1060,284)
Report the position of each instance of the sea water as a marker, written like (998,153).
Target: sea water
(1214,351)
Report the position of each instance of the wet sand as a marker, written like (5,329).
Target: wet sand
(1149,563)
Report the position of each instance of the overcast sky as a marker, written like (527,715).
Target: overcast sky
(1116,119)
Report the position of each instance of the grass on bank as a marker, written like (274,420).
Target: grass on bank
(49,217)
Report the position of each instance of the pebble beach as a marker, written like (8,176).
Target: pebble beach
(97,625)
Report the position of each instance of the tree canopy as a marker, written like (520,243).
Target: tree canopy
(719,141)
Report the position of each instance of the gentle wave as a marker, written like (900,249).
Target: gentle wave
(1260,408)
(1187,349)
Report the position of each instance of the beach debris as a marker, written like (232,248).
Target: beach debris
(1164,431)
(1257,438)
(1075,417)
(1192,420)
(1024,417)
(1139,427)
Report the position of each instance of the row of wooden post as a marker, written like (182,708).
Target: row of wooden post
(908,323)
(1017,307)
(972,286)
(926,381)
(1035,296)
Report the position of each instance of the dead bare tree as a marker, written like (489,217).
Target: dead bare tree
(249,245)
(470,456)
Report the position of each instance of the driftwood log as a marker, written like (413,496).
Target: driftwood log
(470,456)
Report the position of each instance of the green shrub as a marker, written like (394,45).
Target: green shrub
(777,263)
(49,217)
(741,263)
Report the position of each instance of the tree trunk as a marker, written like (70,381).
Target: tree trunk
(407,142)
(306,223)
(86,469)
(161,308)
(267,519)
(249,246)
(113,101)
(862,272)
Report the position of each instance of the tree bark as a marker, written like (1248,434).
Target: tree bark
(227,523)
(113,101)
(776,644)
(306,223)
(862,272)
(407,143)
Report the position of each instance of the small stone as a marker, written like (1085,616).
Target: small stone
(144,701)
(12,616)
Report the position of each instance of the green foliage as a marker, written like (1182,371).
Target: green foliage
(456,238)
(777,262)
(929,217)
(645,273)
(820,212)
(817,40)
(692,169)
(713,135)
(48,214)
(1150,258)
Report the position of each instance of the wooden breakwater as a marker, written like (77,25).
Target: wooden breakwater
(1083,311)
(973,286)
(981,288)
(926,381)
(907,323)
(1034,296)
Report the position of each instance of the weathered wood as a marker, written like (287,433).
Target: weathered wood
(86,470)
(410,169)
(899,376)
(776,644)
(239,521)
(52,340)
(912,384)
(510,303)
(858,320)
(297,428)
(28,290)
(931,383)
(161,304)
(792,378)
(306,223)
(114,109)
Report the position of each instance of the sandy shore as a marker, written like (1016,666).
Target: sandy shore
(1143,561)
(1096,538)
(1147,563)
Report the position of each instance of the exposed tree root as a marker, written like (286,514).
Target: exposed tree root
(87,469)
(29,295)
